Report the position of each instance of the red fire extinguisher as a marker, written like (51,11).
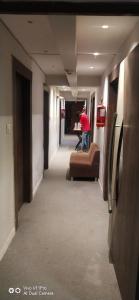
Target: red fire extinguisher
(101,115)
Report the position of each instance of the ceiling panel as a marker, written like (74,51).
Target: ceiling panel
(66,94)
(92,38)
(92,65)
(83,94)
(33,32)
(65,42)
(64,29)
(50,64)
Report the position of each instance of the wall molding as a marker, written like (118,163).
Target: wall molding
(37,185)
(7,243)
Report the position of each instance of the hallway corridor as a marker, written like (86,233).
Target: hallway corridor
(61,242)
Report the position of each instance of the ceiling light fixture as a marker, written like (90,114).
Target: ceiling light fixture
(91,67)
(30,22)
(96,53)
(105,26)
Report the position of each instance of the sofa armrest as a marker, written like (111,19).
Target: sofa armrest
(96,158)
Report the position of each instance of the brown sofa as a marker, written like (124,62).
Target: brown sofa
(84,164)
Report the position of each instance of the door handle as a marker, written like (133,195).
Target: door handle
(118,164)
(110,163)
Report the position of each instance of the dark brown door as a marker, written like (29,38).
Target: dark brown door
(22,113)
(124,248)
(111,109)
(19,147)
(137,285)
(46,129)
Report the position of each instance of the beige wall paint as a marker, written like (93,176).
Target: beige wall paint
(9,46)
(126,47)
(100,132)
(53,122)
(38,81)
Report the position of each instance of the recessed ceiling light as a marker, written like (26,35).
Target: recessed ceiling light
(91,67)
(105,26)
(96,53)
(30,21)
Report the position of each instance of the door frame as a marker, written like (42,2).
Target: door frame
(113,77)
(69,108)
(19,68)
(46,127)
(92,116)
(59,122)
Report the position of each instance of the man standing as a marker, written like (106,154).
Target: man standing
(85,127)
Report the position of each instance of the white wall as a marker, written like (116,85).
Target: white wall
(128,45)
(99,134)
(37,125)
(95,117)
(8,47)
(62,131)
(53,122)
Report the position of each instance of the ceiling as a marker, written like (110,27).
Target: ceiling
(64,46)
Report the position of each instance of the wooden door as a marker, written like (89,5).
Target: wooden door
(46,129)
(22,120)
(19,147)
(124,248)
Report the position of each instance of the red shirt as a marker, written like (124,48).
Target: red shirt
(84,121)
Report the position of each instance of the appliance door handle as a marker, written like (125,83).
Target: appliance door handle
(118,164)
(110,163)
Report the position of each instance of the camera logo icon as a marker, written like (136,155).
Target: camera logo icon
(11,290)
(16,290)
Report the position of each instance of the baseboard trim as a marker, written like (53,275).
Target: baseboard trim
(100,185)
(7,243)
(37,185)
